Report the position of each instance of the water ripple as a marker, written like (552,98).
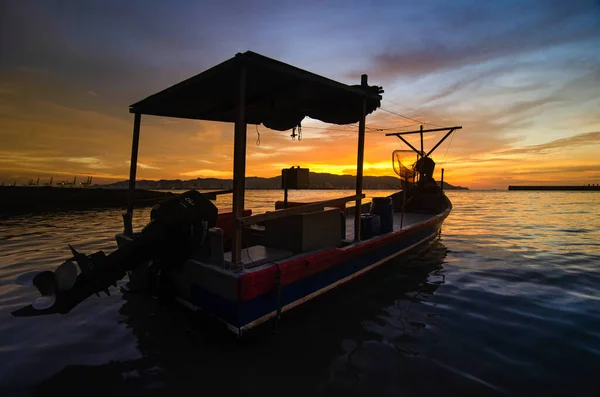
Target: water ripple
(505,303)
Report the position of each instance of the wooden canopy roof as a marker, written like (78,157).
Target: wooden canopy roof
(278,95)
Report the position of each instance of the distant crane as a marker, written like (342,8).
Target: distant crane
(67,183)
(87,183)
(31,183)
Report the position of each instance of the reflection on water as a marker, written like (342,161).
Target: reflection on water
(180,351)
(506,303)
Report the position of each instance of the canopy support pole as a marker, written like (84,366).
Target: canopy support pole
(128,216)
(360,160)
(421,154)
(239,171)
(421,130)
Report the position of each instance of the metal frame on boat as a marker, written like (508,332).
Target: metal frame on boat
(253,89)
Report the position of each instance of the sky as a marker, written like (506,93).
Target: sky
(521,77)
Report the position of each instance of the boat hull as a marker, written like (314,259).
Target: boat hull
(264,294)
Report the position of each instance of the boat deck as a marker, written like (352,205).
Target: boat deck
(409,219)
(256,256)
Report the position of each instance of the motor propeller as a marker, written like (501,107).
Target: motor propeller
(71,282)
(178,226)
(45,282)
(26,279)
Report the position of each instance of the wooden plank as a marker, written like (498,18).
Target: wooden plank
(239,168)
(422,151)
(134,155)
(442,183)
(458,127)
(409,145)
(440,142)
(128,215)
(267,216)
(213,195)
(360,159)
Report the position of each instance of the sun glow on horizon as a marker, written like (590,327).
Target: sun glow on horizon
(528,107)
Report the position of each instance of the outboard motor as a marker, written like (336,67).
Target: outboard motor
(178,227)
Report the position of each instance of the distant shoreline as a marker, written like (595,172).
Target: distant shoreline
(320,181)
(17,200)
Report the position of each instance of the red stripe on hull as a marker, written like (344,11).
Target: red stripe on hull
(251,285)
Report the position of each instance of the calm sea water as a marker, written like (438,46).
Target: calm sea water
(507,302)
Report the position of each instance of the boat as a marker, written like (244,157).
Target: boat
(241,268)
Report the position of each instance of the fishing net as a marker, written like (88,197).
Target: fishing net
(403,163)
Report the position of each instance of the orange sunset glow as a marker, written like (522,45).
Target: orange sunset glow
(527,95)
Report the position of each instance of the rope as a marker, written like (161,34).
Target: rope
(444,158)
(257,139)
(368,129)
(409,118)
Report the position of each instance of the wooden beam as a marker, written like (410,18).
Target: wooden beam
(409,145)
(442,183)
(422,150)
(421,153)
(458,127)
(213,195)
(239,168)
(277,214)
(440,142)
(128,216)
(360,159)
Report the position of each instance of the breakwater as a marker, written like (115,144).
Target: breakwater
(582,188)
(21,199)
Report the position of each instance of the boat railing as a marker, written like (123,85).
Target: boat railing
(213,194)
(315,206)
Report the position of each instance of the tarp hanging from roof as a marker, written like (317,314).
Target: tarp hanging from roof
(278,95)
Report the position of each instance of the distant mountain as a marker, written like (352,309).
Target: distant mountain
(317,181)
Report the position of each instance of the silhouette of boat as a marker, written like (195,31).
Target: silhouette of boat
(246,269)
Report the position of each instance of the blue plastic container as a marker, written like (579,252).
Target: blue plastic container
(382,206)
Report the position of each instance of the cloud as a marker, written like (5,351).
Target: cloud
(147,166)
(558,170)
(583,139)
(90,162)
(207,173)
(509,72)
(144,166)
(476,79)
(481,32)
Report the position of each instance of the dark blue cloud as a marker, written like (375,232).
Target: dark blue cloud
(450,36)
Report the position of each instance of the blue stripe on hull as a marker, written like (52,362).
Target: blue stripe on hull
(239,315)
